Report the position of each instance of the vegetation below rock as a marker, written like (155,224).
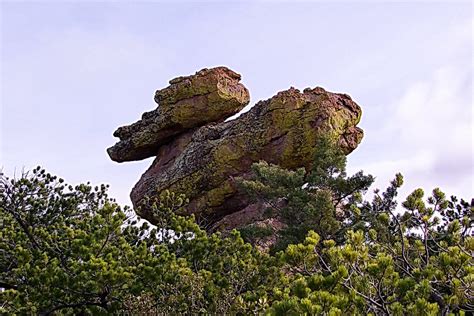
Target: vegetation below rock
(73,250)
(325,200)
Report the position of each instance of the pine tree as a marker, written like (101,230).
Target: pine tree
(325,199)
(73,250)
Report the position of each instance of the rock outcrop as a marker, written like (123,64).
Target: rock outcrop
(200,155)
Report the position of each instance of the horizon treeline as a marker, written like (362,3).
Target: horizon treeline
(322,249)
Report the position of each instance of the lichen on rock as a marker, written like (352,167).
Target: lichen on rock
(211,95)
(199,154)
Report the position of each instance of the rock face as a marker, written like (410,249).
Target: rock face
(200,155)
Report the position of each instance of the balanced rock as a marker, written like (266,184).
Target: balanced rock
(211,95)
(200,155)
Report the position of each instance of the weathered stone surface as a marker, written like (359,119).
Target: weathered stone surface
(203,162)
(211,95)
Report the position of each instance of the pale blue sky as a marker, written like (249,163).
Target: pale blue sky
(72,72)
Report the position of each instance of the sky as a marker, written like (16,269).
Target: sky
(73,71)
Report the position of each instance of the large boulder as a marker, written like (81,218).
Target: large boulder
(211,95)
(202,159)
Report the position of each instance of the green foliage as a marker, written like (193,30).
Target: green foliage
(73,250)
(416,262)
(325,199)
(253,233)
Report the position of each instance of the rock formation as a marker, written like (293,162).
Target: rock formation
(200,155)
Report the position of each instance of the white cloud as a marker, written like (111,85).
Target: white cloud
(426,133)
(72,74)
(436,111)
(429,137)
